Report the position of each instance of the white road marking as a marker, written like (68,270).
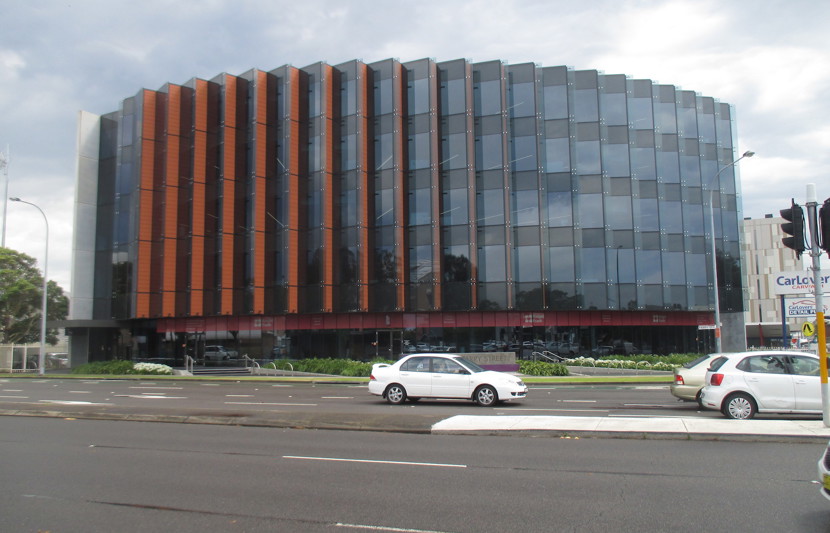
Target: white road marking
(12,390)
(146,396)
(558,410)
(69,402)
(386,528)
(370,461)
(14,397)
(169,388)
(239,395)
(578,401)
(80,391)
(271,403)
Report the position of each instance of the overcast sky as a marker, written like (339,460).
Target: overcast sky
(768,58)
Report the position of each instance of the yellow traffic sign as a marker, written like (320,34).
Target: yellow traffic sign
(808,329)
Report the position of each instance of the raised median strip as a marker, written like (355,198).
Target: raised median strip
(637,427)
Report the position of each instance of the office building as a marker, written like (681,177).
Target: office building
(364,210)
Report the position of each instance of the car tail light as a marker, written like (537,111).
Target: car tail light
(678,380)
(716,380)
(372,377)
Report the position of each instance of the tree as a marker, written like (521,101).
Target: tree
(21,286)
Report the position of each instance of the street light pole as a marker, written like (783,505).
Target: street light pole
(42,355)
(718,343)
(4,164)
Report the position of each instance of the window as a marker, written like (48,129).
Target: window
(763,364)
(804,366)
(445,366)
(416,364)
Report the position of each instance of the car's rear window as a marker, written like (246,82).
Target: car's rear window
(695,362)
(717,363)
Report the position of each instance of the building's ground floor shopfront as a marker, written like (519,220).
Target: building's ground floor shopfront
(369,336)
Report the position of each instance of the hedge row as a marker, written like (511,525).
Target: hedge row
(542,368)
(123,368)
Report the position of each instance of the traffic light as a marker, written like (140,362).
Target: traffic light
(795,227)
(824,226)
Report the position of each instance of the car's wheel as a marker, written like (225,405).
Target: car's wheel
(395,394)
(698,400)
(485,396)
(739,406)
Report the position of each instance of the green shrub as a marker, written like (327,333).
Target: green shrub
(542,368)
(120,368)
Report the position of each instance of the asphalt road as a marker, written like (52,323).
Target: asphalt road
(235,397)
(88,476)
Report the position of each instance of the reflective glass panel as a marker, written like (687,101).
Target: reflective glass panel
(587,157)
(384,208)
(420,207)
(674,268)
(491,264)
(383,151)
(418,96)
(557,155)
(642,163)
(648,267)
(528,264)
(526,209)
(488,98)
(618,212)
(523,156)
(455,207)
(590,211)
(561,264)
(585,105)
(614,109)
(615,160)
(455,151)
(593,265)
(671,217)
(640,114)
(560,212)
(556,101)
(668,167)
(488,152)
(649,219)
(419,151)
(522,100)
(490,207)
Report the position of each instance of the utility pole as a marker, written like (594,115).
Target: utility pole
(818,289)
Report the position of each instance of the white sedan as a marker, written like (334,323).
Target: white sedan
(432,375)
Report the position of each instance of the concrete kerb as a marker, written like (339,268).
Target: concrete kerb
(668,428)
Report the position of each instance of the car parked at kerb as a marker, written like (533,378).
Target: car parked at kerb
(438,375)
(745,383)
(690,378)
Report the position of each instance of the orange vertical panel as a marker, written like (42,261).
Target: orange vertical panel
(200,151)
(229,197)
(399,193)
(293,299)
(328,189)
(143,267)
(365,250)
(260,206)
(171,204)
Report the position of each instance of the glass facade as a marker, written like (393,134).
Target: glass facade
(453,201)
